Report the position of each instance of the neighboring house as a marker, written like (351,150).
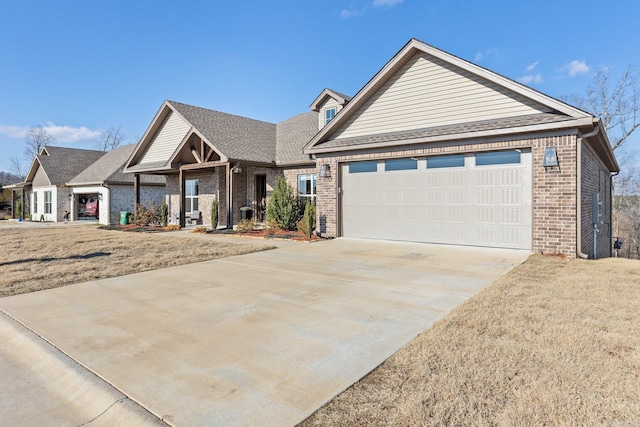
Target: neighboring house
(45,194)
(104,183)
(432,149)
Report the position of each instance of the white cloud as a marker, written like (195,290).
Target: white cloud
(576,67)
(71,134)
(532,66)
(346,13)
(13,131)
(485,54)
(531,78)
(378,3)
(62,134)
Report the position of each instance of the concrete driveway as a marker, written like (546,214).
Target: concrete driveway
(258,339)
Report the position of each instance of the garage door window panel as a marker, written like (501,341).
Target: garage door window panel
(363,167)
(448,161)
(400,165)
(498,158)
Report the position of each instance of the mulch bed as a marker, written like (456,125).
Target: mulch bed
(277,234)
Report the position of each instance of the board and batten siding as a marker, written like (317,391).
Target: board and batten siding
(427,92)
(166,141)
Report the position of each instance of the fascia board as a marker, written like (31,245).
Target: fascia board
(574,124)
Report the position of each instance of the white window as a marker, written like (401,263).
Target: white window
(329,114)
(47,202)
(35,202)
(191,195)
(307,186)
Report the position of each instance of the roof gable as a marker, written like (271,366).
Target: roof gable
(423,87)
(61,164)
(340,98)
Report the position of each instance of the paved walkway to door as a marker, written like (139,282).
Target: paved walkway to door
(258,339)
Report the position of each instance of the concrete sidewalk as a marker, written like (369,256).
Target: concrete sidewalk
(258,339)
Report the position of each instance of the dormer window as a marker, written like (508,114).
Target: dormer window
(329,114)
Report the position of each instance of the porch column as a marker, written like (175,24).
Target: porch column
(22,215)
(136,191)
(181,196)
(229,196)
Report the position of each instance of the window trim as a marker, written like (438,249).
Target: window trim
(313,178)
(189,198)
(35,202)
(326,112)
(48,205)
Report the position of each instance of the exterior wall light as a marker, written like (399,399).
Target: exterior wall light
(325,171)
(550,157)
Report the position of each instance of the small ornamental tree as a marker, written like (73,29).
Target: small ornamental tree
(164,213)
(214,214)
(283,205)
(308,222)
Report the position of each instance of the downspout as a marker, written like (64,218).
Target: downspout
(579,191)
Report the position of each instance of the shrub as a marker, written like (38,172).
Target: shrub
(308,222)
(245,226)
(147,216)
(164,213)
(172,227)
(270,227)
(283,205)
(200,229)
(214,214)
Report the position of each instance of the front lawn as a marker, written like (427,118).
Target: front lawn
(33,259)
(554,342)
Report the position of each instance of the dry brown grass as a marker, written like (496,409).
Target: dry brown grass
(554,342)
(33,259)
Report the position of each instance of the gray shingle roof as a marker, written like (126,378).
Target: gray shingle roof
(242,138)
(236,137)
(512,122)
(293,134)
(62,163)
(108,169)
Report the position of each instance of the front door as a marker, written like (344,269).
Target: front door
(261,197)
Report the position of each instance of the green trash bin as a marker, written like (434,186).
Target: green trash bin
(123,218)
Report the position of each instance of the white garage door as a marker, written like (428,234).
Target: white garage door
(479,199)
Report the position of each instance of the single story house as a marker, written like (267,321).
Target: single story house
(44,193)
(88,184)
(432,149)
(105,182)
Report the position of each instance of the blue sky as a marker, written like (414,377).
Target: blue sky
(79,67)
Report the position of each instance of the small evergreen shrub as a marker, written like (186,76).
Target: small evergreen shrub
(164,213)
(214,214)
(308,222)
(282,206)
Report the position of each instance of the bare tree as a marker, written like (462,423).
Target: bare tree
(16,167)
(36,138)
(616,102)
(110,139)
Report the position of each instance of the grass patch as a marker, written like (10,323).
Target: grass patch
(41,258)
(553,342)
